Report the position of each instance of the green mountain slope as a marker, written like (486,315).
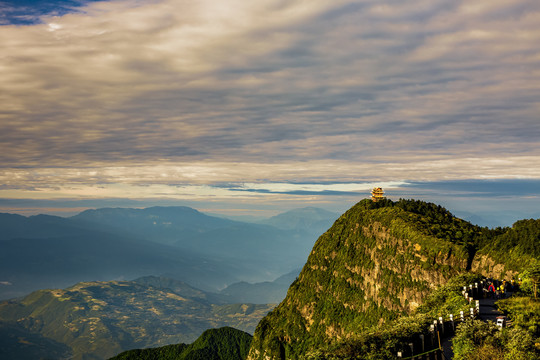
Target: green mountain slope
(224,343)
(510,251)
(379,261)
(101,319)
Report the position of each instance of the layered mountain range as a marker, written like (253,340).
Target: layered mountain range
(376,266)
(117,244)
(96,320)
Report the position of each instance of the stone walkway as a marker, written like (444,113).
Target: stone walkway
(447,348)
(488,312)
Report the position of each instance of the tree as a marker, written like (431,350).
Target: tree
(534,274)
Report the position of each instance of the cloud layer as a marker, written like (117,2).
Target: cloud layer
(201,92)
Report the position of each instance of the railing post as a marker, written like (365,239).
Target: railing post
(481,291)
(432,336)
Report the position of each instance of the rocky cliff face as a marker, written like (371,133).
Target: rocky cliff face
(376,262)
(509,251)
(490,268)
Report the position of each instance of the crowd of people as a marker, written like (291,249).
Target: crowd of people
(500,289)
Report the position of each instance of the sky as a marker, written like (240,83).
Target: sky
(253,108)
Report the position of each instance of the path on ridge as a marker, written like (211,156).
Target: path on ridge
(488,312)
(488,309)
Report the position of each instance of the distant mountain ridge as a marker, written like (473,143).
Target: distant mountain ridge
(161,224)
(97,320)
(259,247)
(58,253)
(187,228)
(308,218)
(267,292)
(38,226)
(122,243)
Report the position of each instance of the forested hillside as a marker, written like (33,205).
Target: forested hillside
(376,264)
(510,250)
(215,344)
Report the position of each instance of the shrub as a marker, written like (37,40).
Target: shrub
(479,340)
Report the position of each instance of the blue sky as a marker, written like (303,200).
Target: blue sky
(257,107)
(27,12)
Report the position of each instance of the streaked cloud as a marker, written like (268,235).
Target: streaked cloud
(165,97)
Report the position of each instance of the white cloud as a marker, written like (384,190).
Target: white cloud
(269,91)
(247,180)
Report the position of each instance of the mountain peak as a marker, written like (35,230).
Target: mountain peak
(379,260)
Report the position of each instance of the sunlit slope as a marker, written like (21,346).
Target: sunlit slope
(377,261)
(100,319)
(510,250)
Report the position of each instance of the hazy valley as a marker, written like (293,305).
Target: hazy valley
(372,278)
(94,312)
(122,244)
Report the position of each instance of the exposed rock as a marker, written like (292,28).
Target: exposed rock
(488,267)
(367,269)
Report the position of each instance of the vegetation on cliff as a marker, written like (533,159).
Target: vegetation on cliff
(514,249)
(365,281)
(383,342)
(473,340)
(477,340)
(484,341)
